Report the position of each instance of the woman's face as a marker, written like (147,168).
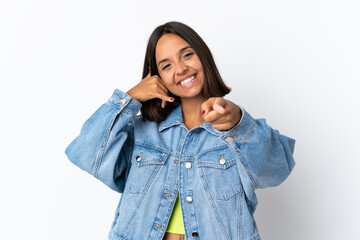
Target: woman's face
(179,66)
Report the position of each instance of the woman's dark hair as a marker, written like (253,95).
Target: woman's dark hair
(213,83)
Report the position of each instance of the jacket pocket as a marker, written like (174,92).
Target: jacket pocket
(146,162)
(219,174)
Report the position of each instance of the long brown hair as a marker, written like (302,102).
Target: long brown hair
(213,83)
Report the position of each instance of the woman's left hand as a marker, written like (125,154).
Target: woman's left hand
(222,114)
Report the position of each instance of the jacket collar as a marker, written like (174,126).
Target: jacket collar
(176,118)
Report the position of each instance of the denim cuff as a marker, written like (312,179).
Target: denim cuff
(225,131)
(240,132)
(125,102)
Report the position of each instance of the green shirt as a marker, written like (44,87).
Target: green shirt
(176,224)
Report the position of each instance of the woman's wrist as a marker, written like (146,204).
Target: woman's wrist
(131,94)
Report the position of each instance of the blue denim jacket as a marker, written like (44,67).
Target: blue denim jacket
(216,172)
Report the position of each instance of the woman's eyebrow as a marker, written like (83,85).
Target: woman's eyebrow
(181,50)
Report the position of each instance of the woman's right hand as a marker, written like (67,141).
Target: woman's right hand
(150,87)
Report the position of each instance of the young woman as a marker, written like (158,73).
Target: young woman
(188,165)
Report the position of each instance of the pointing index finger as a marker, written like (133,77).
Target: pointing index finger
(219,105)
(207,106)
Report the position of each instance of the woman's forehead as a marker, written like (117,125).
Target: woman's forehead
(170,44)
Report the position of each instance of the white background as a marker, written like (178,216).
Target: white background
(295,63)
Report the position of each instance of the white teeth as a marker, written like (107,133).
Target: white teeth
(187,81)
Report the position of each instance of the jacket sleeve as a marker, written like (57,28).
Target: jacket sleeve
(104,145)
(266,156)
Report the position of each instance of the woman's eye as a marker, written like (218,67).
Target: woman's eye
(189,54)
(166,66)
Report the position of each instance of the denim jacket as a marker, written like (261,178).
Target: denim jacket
(216,172)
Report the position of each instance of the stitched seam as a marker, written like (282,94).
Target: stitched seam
(211,149)
(165,127)
(160,160)
(151,162)
(148,183)
(124,232)
(247,136)
(247,170)
(114,104)
(207,191)
(240,218)
(230,163)
(228,198)
(137,143)
(103,146)
(168,213)
(115,236)
(239,156)
(151,179)
(117,213)
(224,199)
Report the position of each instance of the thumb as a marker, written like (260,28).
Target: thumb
(163,103)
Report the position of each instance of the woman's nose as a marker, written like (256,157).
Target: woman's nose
(181,68)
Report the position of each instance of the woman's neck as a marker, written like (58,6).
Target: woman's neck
(191,110)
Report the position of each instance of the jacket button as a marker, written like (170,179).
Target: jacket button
(188,165)
(229,139)
(222,159)
(138,158)
(195,234)
(197,131)
(189,199)
(121,100)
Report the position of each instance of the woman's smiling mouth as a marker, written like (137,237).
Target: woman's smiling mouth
(188,80)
